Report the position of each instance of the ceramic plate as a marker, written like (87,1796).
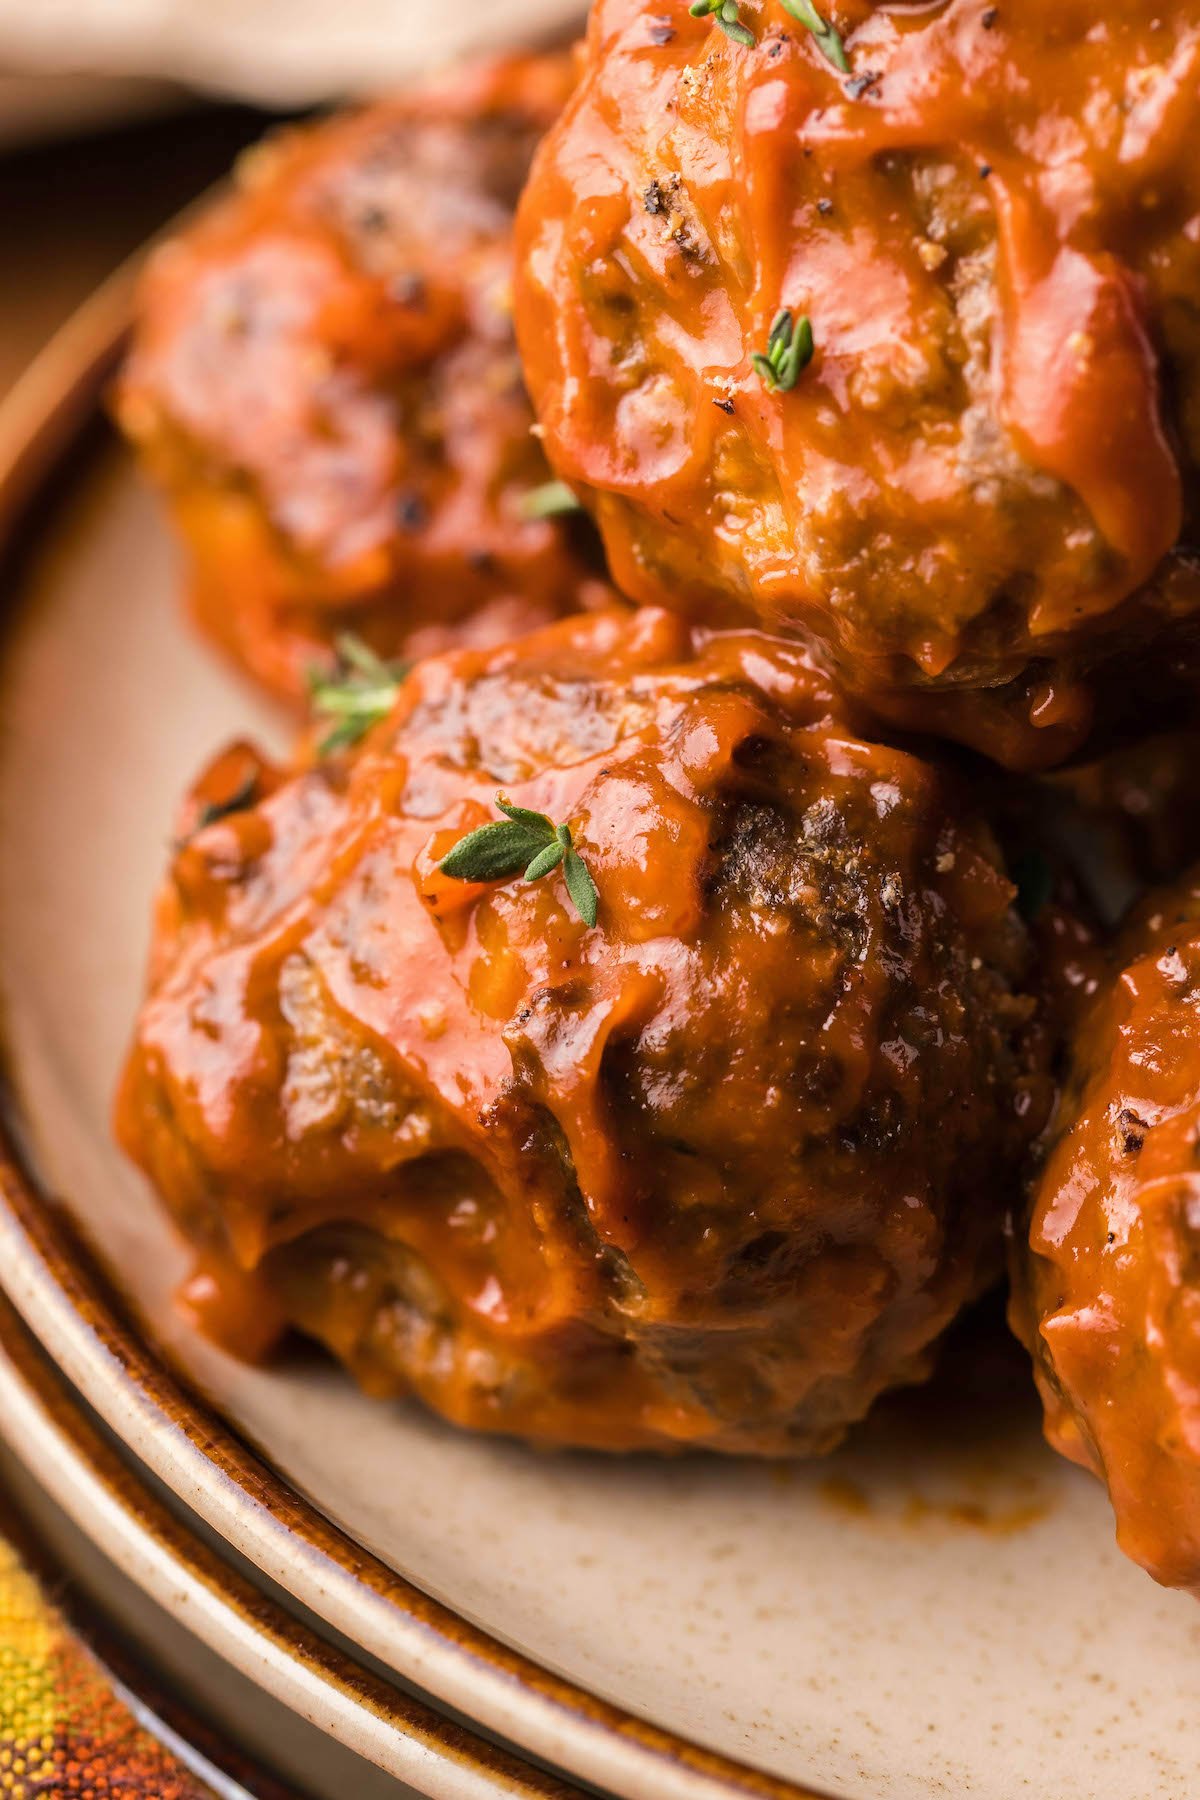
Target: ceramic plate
(939,1609)
(265,1681)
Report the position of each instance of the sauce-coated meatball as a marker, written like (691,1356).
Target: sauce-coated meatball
(324,380)
(1108,1282)
(716,1170)
(982,484)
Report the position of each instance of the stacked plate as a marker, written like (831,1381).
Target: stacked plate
(939,1609)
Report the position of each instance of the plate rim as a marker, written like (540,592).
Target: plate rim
(99,1491)
(173,1432)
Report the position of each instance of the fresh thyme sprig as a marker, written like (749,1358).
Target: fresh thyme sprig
(725,12)
(360,692)
(528,844)
(828,42)
(827,38)
(548,501)
(789,349)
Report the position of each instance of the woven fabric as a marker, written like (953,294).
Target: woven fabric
(64,1731)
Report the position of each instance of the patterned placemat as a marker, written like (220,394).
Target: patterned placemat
(66,1729)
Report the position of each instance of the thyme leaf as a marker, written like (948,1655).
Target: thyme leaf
(581,887)
(544,861)
(789,349)
(360,691)
(827,40)
(548,501)
(492,853)
(528,844)
(725,12)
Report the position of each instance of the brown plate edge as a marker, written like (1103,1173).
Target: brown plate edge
(63,1302)
(103,1497)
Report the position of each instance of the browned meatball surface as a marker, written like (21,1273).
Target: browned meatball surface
(324,380)
(715,1170)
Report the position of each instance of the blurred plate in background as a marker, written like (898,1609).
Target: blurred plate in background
(284,53)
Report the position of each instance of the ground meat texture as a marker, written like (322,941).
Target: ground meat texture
(716,1171)
(1107,1273)
(324,380)
(978,497)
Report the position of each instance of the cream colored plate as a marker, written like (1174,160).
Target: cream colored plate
(207,1636)
(939,1610)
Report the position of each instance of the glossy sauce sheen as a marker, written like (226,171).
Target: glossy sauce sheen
(716,1171)
(324,379)
(1108,1285)
(983,479)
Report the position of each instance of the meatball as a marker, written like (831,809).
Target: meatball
(324,380)
(714,1171)
(1107,1277)
(977,494)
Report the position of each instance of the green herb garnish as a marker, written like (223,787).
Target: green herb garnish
(725,12)
(828,42)
(548,501)
(523,843)
(360,692)
(789,349)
